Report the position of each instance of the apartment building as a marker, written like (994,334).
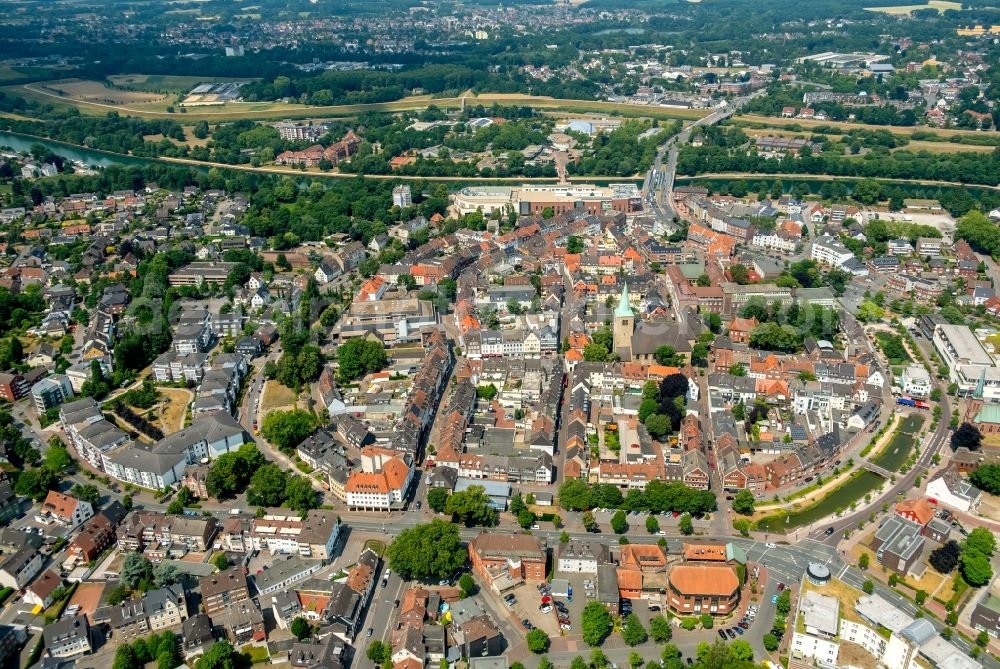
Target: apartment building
(152,611)
(505,560)
(220,590)
(314,536)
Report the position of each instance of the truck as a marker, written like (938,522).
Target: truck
(906,401)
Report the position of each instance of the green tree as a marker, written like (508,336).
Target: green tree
(982,540)
(868,587)
(743,503)
(618,522)
(633,633)
(287,429)
(742,525)
(864,561)
(430,551)
(222,655)
(136,569)
(652,524)
(378,652)
(301,628)
(467,584)
(987,478)
(707,621)
(596,624)
(437,498)
(221,562)
(685,525)
(538,641)
(472,506)
(358,357)
(659,629)
(770,642)
(267,486)
(975,568)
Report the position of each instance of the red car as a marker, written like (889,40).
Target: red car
(781,586)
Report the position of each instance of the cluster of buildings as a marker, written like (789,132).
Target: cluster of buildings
(833,621)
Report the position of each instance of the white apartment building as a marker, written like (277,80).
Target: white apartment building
(314,536)
(820,615)
(829,251)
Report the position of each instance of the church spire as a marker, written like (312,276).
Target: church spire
(624,309)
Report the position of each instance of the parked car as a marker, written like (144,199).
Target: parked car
(774,599)
(370,632)
(738,630)
(722,635)
(781,586)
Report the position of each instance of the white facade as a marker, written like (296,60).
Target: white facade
(828,250)
(916,382)
(963,355)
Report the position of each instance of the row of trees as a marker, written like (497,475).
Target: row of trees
(658,497)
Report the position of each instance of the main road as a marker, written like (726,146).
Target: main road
(658,185)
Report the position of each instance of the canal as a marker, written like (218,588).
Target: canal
(857,487)
(23,143)
(891,458)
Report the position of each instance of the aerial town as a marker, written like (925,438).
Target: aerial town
(568,335)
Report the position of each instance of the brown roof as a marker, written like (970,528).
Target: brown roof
(643,556)
(508,545)
(224,581)
(705,552)
(704,579)
(45,584)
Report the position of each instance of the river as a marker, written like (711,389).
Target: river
(71,152)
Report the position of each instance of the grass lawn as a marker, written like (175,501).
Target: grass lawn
(376,545)
(257,654)
(277,396)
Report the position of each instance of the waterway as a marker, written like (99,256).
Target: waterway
(71,152)
(891,459)
(841,498)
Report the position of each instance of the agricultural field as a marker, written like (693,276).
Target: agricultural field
(806,124)
(151,105)
(83,90)
(913,145)
(941,5)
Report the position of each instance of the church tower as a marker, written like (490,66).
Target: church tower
(624,326)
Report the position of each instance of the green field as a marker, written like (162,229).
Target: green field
(940,5)
(160,82)
(277,110)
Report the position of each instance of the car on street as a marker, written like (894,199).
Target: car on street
(370,632)
(781,586)
(395,604)
(419,505)
(771,545)
(654,608)
(774,599)
(829,531)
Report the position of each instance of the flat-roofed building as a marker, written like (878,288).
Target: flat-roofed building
(197,273)
(963,355)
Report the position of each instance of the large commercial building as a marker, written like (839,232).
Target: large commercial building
(963,354)
(560,198)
